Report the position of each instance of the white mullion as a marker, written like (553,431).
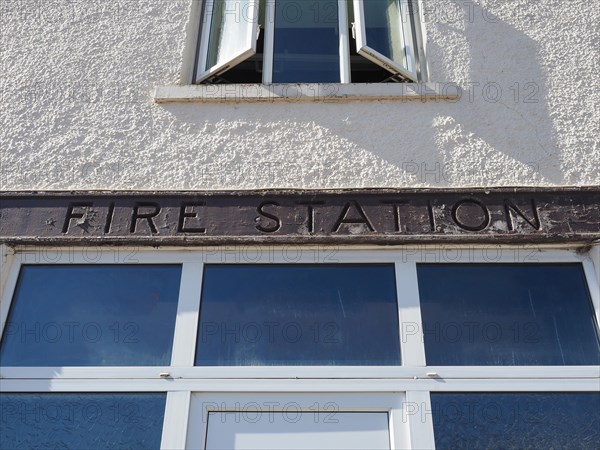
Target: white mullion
(188,311)
(302,385)
(595,256)
(593,286)
(398,427)
(418,22)
(409,312)
(420,422)
(175,421)
(344,41)
(269,42)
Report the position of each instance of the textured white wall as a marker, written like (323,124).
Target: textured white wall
(76,111)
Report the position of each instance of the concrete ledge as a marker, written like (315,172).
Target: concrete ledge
(317,92)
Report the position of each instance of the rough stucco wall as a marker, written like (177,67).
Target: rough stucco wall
(76,111)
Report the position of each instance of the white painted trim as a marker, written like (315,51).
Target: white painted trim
(306,92)
(303,372)
(420,419)
(175,420)
(392,403)
(206,20)
(294,385)
(188,311)
(129,254)
(269,42)
(344,41)
(406,23)
(409,309)
(399,424)
(363,49)
(421,39)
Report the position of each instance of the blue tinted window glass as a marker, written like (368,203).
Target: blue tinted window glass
(298,315)
(507,314)
(516,421)
(81,421)
(92,315)
(306,42)
(383,26)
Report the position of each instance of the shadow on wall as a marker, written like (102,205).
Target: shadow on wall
(502,124)
(499,133)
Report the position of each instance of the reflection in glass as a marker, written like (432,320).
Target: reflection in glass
(81,421)
(231,23)
(298,315)
(92,315)
(287,430)
(306,42)
(516,420)
(507,314)
(383,26)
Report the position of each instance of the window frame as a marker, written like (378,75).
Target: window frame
(413,379)
(395,405)
(204,43)
(412,37)
(362,46)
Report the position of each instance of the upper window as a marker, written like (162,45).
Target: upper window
(307,41)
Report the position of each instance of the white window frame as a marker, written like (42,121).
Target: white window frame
(414,49)
(363,48)
(410,383)
(251,38)
(394,404)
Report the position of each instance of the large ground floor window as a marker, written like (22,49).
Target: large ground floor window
(298,347)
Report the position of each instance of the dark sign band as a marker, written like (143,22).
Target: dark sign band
(372,216)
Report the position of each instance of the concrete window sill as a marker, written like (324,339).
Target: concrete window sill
(317,92)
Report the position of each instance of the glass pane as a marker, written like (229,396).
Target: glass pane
(292,429)
(306,43)
(507,314)
(92,315)
(298,315)
(383,26)
(81,421)
(230,27)
(516,421)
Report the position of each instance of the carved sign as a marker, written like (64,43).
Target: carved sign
(379,216)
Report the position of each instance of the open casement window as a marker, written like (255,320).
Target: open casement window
(229,36)
(325,41)
(383,35)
